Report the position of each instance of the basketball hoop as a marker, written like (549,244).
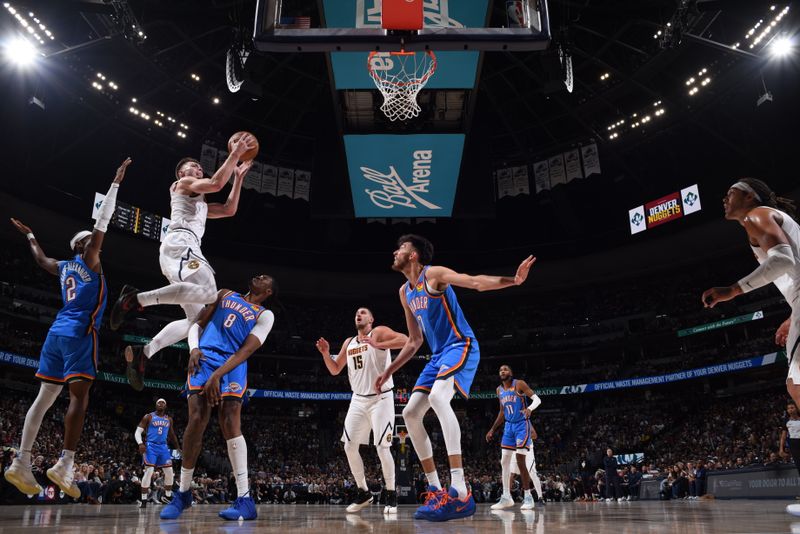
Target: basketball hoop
(400,76)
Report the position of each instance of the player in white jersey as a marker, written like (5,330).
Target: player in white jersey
(366,356)
(774,236)
(190,277)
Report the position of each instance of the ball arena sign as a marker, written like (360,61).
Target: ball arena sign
(665,209)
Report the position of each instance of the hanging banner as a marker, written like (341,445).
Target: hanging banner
(302,184)
(690,198)
(591,160)
(557,174)
(521,184)
(252,180)
(505,183)
(208,159)
(541,173)
(269,180)
(572,161)
(285,182)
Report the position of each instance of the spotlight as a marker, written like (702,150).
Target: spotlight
(20,51)
(216,100)
(781,47)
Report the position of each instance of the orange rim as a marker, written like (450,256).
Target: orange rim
(417,81)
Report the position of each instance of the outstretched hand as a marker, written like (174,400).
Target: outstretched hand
(323,346)
(241,169)
(121,171)
(24,230)
(243,144)
(711,297)
(523,270)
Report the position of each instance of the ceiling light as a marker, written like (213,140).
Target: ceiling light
(781,47)
(215,100)
(20,51)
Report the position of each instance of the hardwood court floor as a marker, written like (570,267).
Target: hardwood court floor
(706,517)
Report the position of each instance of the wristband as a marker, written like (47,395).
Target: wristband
(30,236)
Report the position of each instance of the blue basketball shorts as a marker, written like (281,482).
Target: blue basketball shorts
(459,360)
(233,384)
(517,435)
(157,455)
(65,359)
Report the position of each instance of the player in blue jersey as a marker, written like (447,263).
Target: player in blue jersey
(232,329)
(158,429)
(69,353)
(517,435)
(432,311)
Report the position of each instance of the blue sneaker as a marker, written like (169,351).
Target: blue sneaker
(181,500)
(243,508)
(432,501)
(451,507)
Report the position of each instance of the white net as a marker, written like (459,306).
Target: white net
(400,76)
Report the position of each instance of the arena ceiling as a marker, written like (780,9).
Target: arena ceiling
(63,138)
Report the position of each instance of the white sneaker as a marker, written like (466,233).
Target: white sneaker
(527,503)
(63,478)
(506,502)
(619,499)
(22,478)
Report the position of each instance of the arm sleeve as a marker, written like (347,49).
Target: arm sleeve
(107,209)
(779,261)
(138,434)
(535,402)
(193,337)
(784,285)
(263,326)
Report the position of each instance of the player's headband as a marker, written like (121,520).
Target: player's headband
(741,186)
(77,237)
(161,400)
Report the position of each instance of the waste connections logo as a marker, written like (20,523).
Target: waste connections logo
(690,199)
(637,219)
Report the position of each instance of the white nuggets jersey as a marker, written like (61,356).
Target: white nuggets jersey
(364,364)
(188,213)
(788,283)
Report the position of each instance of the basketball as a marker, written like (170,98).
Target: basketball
(250,154)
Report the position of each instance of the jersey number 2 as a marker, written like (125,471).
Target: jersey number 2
(229,320)
(70,285)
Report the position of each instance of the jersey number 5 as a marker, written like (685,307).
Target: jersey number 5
(229,320)
(358,361)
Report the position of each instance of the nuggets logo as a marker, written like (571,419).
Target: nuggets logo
(388,438)
(234,387)
(193,264)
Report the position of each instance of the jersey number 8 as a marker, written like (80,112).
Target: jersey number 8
(229,320)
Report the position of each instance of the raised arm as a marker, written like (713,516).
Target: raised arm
(218,210)
(91,254)
(763,229)
(440,277)
(223,174)
(334,365)
(412,345)
(384,337)
(48,264)
(499,420)
(252,343)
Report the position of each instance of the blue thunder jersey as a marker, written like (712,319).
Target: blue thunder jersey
(158,430)
(513,403)
(84,294)
(438,314)
(231,323)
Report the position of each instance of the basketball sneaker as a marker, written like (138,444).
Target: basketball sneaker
(391,503)
(433,500)
(793,509)
(363,499)
(505,502)
(451,507)
(63,478)
(243,508)
(165,499)
(125,304)
(134,356)
(142,503)
(181,500)
(22,478)
(527,503)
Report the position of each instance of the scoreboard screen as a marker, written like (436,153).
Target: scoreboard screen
(134,220)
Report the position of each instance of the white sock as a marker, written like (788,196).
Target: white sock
(387,466)
(433,480)
(505,464)
(179,293)
(186,479)
(527,493)
(67,458)
(356,464)
(237,453)
(169,335)
(457,482)
(169,479)
(48,393)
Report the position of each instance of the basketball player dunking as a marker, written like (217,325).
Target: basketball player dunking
(232,329)
(155,453)
(191,278)
(774,236)
(432,311)
(366,356)
(69,353)
(517,435)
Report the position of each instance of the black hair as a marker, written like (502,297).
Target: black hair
(509,367)
(770,199)
(423,247)
(183,162)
